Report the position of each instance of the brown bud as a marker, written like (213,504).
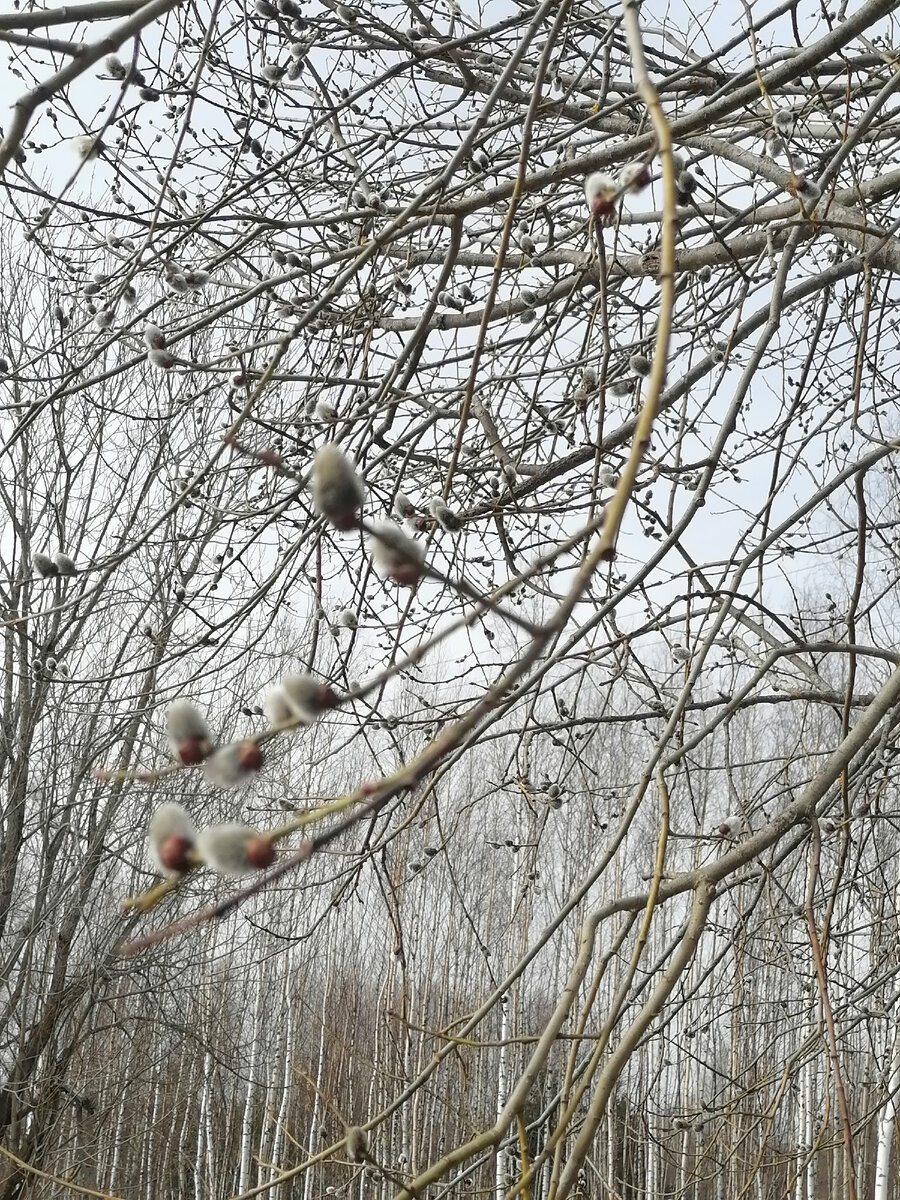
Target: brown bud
(260,852)
(188,733)
(174,853)
(250,756)
(234,850)
(172,838)
(192,751)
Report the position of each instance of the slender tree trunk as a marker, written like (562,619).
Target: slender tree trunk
(886,1123)
(502,1091)
(246,1150)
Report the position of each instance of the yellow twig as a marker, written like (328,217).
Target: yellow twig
(83,1191)
(615,510)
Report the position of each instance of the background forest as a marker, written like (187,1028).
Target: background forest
(587,882)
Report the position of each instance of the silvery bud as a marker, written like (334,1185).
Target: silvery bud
(298,699)
(87,146)
(346,619)
(774,145)
(784,121)
(326,412)
(154,337)
(600,192)
(234,850)
(639,364)
(160,360)
(403,507)
(633,177)
(398,556)
(731,826)
(114,66)
(190,740)
(357,1144)
(64,564)
(173,839)
(233,764)
(44,565)
(443,515)
(337,490)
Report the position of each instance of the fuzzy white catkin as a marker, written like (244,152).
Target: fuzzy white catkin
(185,722)
(160,360)
(346,618)
(633,176)
(305,694)
(337,490)
(87,146)
(784,121)
(403,507)
(223,767)
(154,337)
(64,564)
(639,364)
(357,1144)
(393,550)
(599,192)
(44,565)
(443,515)
(224,849)
(296,699)
(278,709)
(731,826)
(169,820)
(114,66)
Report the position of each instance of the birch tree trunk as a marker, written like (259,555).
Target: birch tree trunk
(886,1124)
(246,1143)
(502,1091)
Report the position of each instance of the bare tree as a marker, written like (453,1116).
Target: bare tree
(449,466)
